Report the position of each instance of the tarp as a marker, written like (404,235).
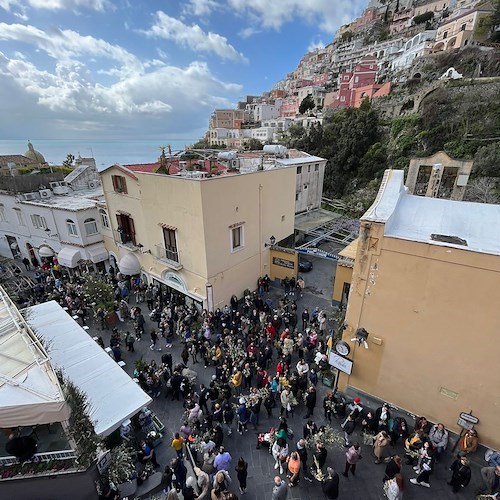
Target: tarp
(30,393)
(112,395)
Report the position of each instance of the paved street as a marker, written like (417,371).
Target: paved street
(367,485)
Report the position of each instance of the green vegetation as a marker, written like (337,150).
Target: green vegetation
(68,162)
(44,170)
(254,145)
(423,18)
(306,104)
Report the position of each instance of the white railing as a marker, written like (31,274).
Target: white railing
(42,457)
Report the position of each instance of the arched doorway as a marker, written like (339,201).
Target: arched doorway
(32,255)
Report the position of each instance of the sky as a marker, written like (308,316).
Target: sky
(144,69)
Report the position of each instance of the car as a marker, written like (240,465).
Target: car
(305,265)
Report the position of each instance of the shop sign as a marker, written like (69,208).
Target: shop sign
(341,363)
(289,264)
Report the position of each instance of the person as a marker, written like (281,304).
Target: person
(393,467)
(279,451)
(172,495)
(382,439)
(468,443)
(293,461)
(461,474)
(426,464)
(353,455)
(438,436)
(242,473)
(222,460)
(280,490)
(330,485)
(21,447)
(310,401)
(320,455)
(243,416)
(302,451)
(129,342)
(491,480)
(382,417)
(222,480)
(394,487)
(348,426)
(177,444)
(204,484)
(26,263)
(188,491)
(166,480)
(147,454)
(154,340)
(180,472)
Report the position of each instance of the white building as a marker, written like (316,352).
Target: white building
(417,46)
(54,222)
(258,112)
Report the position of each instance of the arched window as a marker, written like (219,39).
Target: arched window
(104,218)
(72,229)
(90,227)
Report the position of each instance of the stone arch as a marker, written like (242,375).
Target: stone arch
(174,280)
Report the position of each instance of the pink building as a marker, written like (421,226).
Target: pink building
(290,107)
(320,79)
(359,84)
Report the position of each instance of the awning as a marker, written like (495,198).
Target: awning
(112,395)
(30,393)
(45,251)
(97,253)
(69,257)
(129,264)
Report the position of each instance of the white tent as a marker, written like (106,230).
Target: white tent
(112,395)
(30,393)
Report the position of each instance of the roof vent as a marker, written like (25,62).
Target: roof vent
(454,240)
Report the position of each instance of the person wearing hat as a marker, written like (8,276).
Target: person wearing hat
(330,485)
(461,474)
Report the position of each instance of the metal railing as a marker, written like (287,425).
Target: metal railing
(124,238)
(42,457)
(165,252)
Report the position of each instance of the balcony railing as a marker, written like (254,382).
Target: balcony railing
(123,238)
(169,255)
(42,457)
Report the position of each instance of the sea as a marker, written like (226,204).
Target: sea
(106,153)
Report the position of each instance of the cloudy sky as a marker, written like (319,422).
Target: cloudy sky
(141,69)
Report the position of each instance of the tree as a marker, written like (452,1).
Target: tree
(68,162)
(423,18)
(306,104)
(254,144)
(482,190)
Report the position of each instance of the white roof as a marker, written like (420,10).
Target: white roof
(299,161)
(80,200)
(30,393)
(112,395)
(416,218)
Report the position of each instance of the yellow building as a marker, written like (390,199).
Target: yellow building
(343,273)
(425,288)
(202,233)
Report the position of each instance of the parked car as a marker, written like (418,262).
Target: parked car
(305,265)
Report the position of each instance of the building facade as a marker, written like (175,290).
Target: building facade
(205,237)
(424,287)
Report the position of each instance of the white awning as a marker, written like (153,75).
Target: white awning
(69,257)
(129,264)
(45,251)
(97,253)
(112,395)
(30,393)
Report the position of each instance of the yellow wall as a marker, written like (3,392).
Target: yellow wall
(279,271)
(343,275)
(434,311)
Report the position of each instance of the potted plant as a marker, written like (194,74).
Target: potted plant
(122,471)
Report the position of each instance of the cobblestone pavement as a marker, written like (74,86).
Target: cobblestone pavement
(366,485)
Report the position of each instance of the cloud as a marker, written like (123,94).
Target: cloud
(328,14)
(193,37)
(99,5)
(200,7)
(315,44)
(248,32)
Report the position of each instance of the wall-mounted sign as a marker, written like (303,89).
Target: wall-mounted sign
(469,418)
(464,424)
(341,363)
(289,264)
(104,461)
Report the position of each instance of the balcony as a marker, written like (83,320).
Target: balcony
(125,240)
(169,256)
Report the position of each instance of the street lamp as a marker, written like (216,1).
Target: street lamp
(360,337)
(272,239)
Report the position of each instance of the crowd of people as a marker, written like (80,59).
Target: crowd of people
(266,360)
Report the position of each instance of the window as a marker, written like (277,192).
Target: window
(299,170)
(356,79)
(308,168)
(119,184)
(104,218)
(237,238)
(445,34)
(297,197)
(170,240)
(462,28)
(20,217)
(90,227)
(72,229)
(126,228)
(305,186)
(316,167)
(38,221)
(342,98)
(3,218)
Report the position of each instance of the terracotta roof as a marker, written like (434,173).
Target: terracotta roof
(143,167)
(19,160)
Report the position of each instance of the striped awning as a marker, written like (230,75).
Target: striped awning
(232,226)
(167,226)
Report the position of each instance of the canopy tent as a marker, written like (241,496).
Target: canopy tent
(30,393)
(112,395)
(97,253)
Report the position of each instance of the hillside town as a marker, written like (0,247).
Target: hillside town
(300,305)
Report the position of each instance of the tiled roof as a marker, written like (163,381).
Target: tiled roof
(17,159)
(143,167)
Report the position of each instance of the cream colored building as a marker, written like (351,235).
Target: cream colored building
(203,233)
(425,288)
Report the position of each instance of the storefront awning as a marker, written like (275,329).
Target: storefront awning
(69,257)
(45,251)
(97,253)
(111,394)
(129,264)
